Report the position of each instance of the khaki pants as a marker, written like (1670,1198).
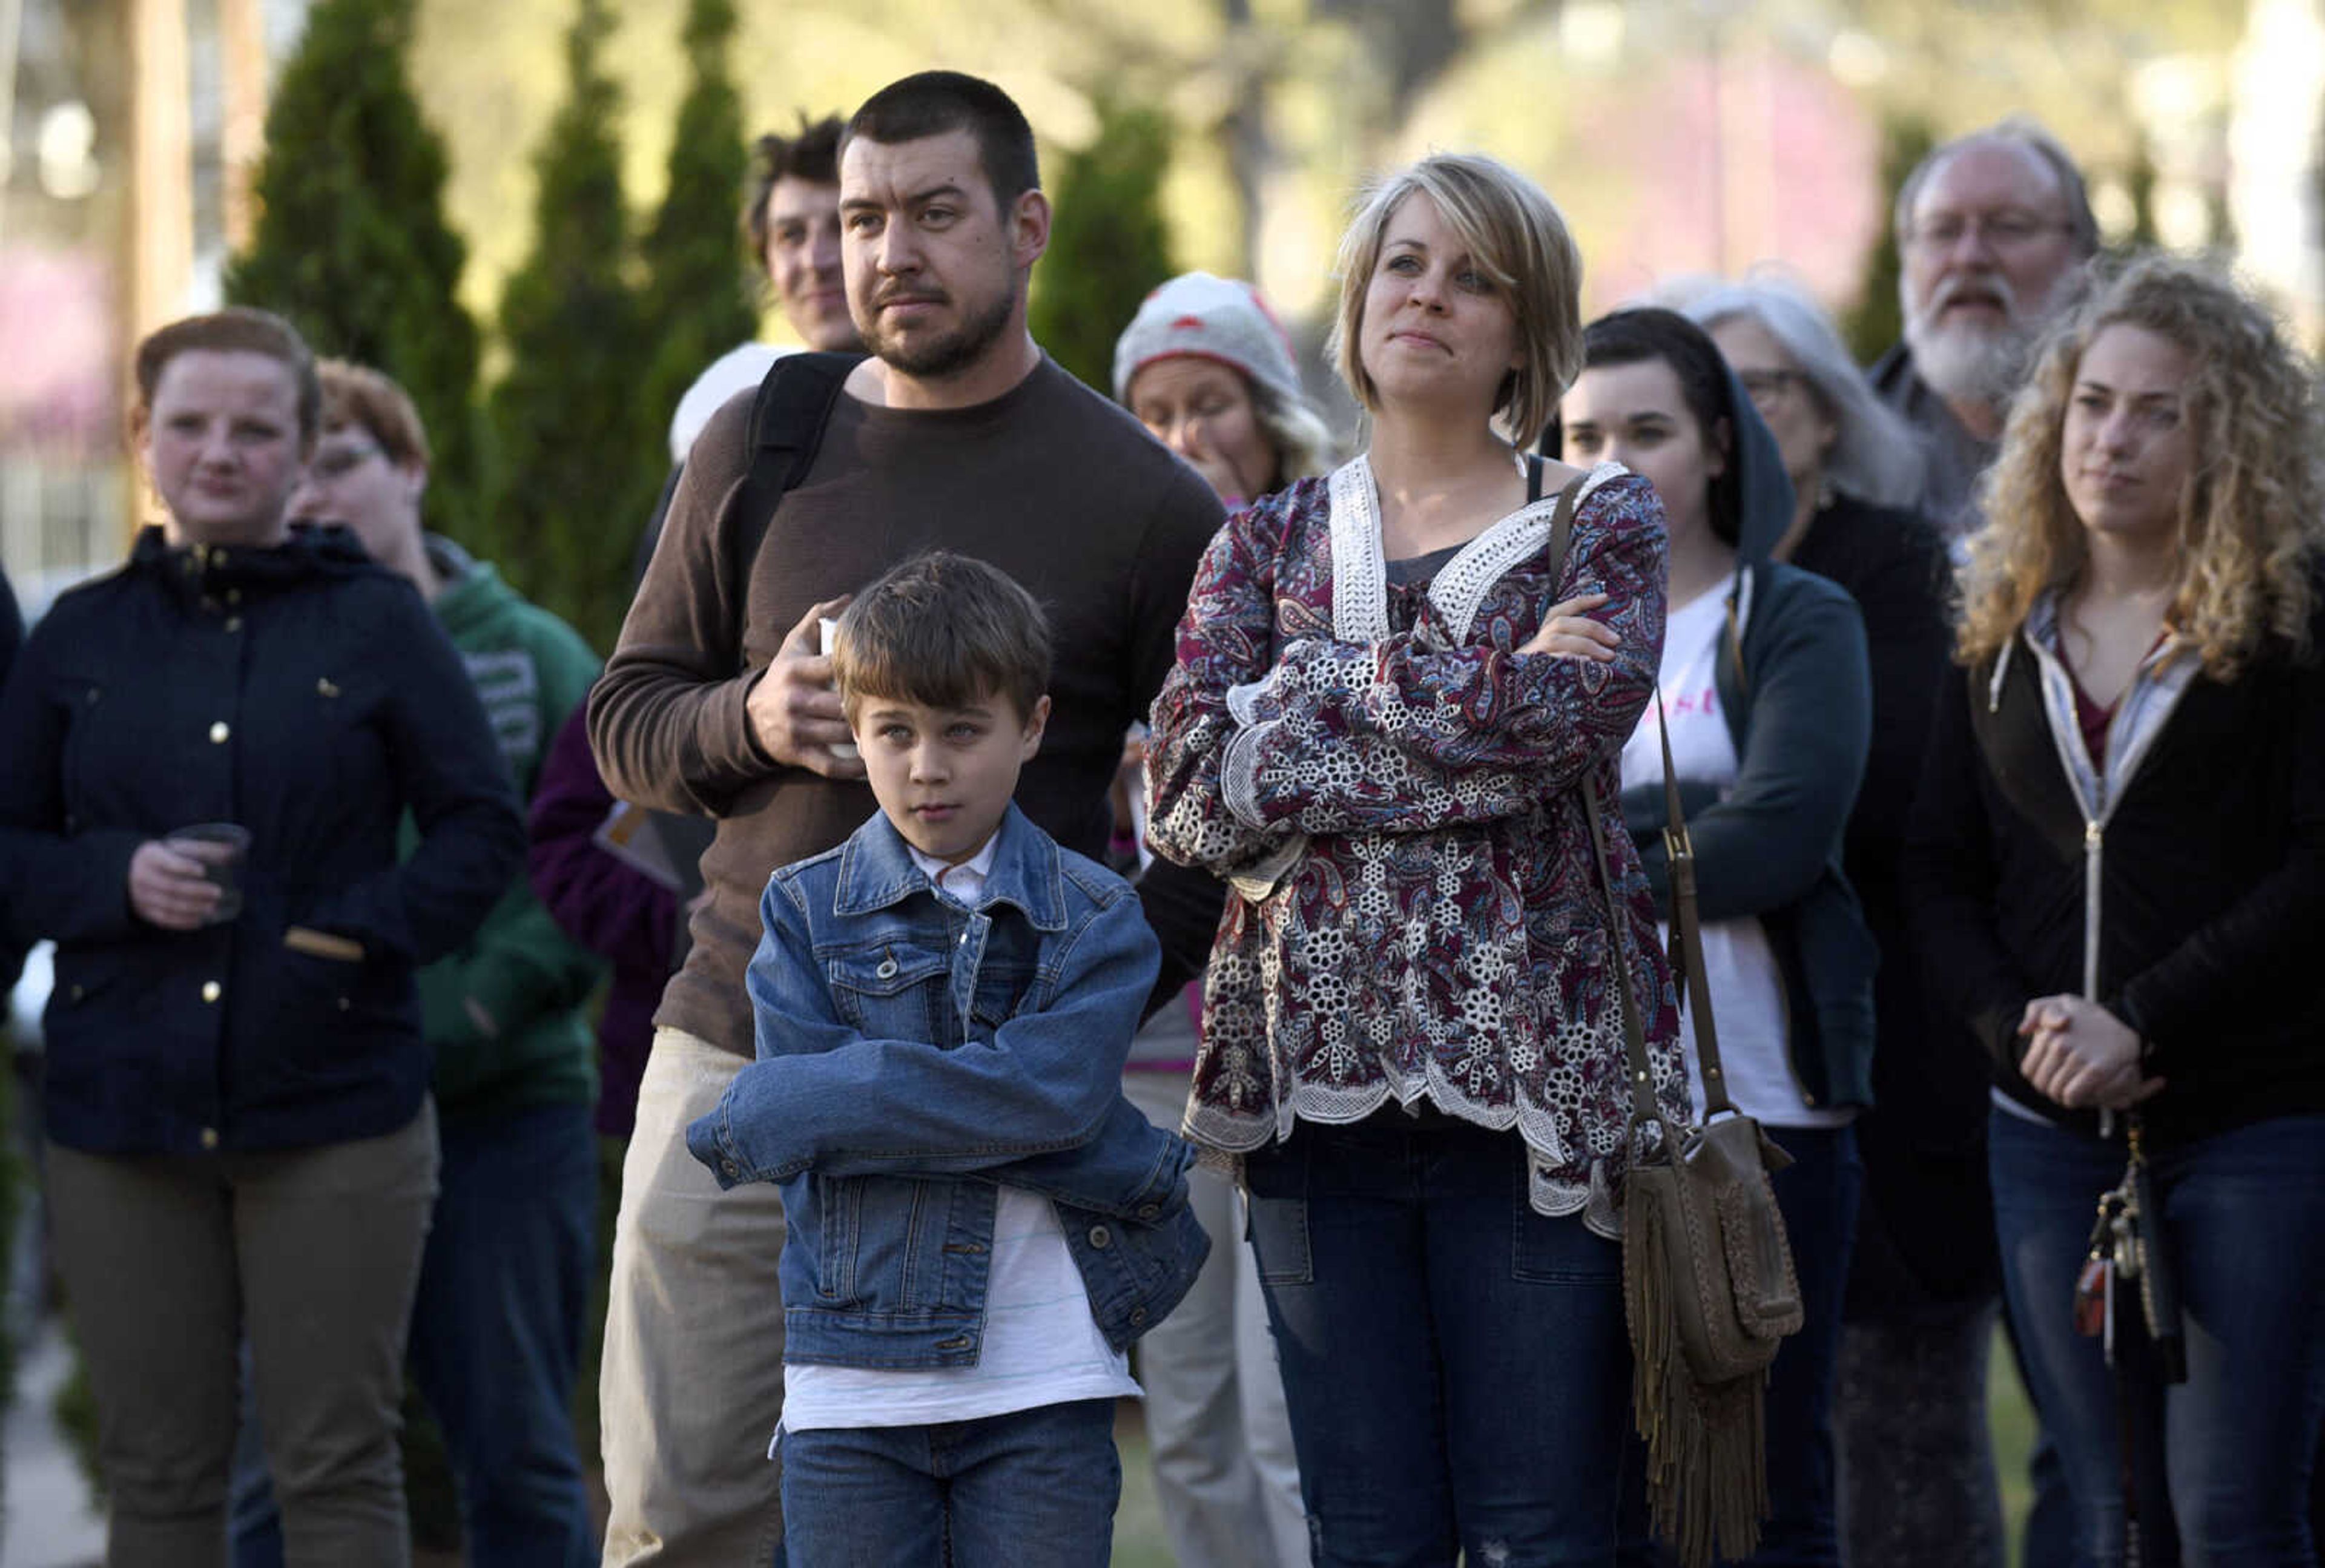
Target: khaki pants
(168,1260)
(693,1372)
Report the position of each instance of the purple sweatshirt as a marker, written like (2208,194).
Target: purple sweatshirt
(614,910)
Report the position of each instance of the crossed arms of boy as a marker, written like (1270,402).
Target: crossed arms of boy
(1038,1105)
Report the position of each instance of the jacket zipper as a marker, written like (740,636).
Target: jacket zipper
(2094,860)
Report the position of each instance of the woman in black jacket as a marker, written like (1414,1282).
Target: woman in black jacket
(1922,1281)
(1765,695)
(2117,870)
(240,1138)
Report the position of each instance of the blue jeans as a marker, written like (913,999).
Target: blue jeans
(1454,1363)
(1817,1194)
(495,1341)
(2228,1455)
(1035,1489)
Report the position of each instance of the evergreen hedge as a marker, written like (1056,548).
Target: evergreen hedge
(1108,246)
(580,459)
(697,299)
(351,241)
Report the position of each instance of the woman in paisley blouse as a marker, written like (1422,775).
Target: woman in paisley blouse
(1384,705)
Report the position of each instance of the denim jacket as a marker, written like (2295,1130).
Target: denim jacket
(914,1054)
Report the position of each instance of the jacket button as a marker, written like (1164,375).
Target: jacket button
(1137,1317)
(888,970)
(218,732)
(1150,1211)
(345,1005)
(1100,1238)
(78,992)
(234,622)
(92,695)
(731,1171)
(210,1137)
(211,991)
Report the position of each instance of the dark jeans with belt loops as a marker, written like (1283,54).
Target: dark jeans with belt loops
(1455,1364)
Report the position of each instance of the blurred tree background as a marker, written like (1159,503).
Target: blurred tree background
(699,285)
(1677,136)
(352,243)
(1109,246)
(572,432)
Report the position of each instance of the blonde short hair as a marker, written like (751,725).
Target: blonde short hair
(1515,236)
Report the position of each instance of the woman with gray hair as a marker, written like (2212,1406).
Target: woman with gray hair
(1916,1465)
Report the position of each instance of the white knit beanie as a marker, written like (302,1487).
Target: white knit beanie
(1204,316)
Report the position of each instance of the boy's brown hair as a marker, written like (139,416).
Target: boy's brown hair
(945,631)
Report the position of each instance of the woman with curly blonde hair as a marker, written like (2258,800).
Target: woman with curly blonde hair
(2118,865)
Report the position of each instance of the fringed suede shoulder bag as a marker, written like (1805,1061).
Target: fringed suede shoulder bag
(1709,1286)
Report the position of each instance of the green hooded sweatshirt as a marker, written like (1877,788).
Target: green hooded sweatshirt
(507,1015)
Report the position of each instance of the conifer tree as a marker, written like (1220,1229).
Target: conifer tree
(1108,245)
(578,461)
(351,242)
(698,293)
(1878,321)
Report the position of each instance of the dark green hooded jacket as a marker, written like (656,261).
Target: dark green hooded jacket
(506,1015)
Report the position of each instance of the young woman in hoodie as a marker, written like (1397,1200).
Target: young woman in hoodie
(2117,867)
(1766,693)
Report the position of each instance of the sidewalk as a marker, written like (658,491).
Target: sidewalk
(46,1516)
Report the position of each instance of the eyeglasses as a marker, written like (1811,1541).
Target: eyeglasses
(1770,388)
(2009,229)
(337,462)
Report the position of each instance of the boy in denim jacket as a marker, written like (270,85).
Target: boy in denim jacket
(980,1224)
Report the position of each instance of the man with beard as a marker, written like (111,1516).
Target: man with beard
(1993,229)
(958,433)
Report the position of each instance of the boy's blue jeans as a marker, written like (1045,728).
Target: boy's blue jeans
(2228,1453)
(1454,1363)
(1035,1489)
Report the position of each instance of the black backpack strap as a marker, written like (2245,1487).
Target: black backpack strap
(789,415)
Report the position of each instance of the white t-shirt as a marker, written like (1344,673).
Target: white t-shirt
(1042,1344)
(732,374)
(1739,966)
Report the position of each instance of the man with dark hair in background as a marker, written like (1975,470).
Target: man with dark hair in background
(958,434)
(790,231)
(788,227)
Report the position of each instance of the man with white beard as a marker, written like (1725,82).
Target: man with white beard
(1993,228)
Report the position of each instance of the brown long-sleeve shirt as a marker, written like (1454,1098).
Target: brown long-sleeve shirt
(1050,482)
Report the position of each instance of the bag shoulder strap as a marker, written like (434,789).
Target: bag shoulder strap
(1679,861)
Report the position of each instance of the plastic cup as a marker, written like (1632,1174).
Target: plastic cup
(829,628)
(224,870)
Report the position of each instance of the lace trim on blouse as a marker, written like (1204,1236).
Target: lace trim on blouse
(1458,588)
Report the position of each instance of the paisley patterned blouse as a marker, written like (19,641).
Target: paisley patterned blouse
(1395,795)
